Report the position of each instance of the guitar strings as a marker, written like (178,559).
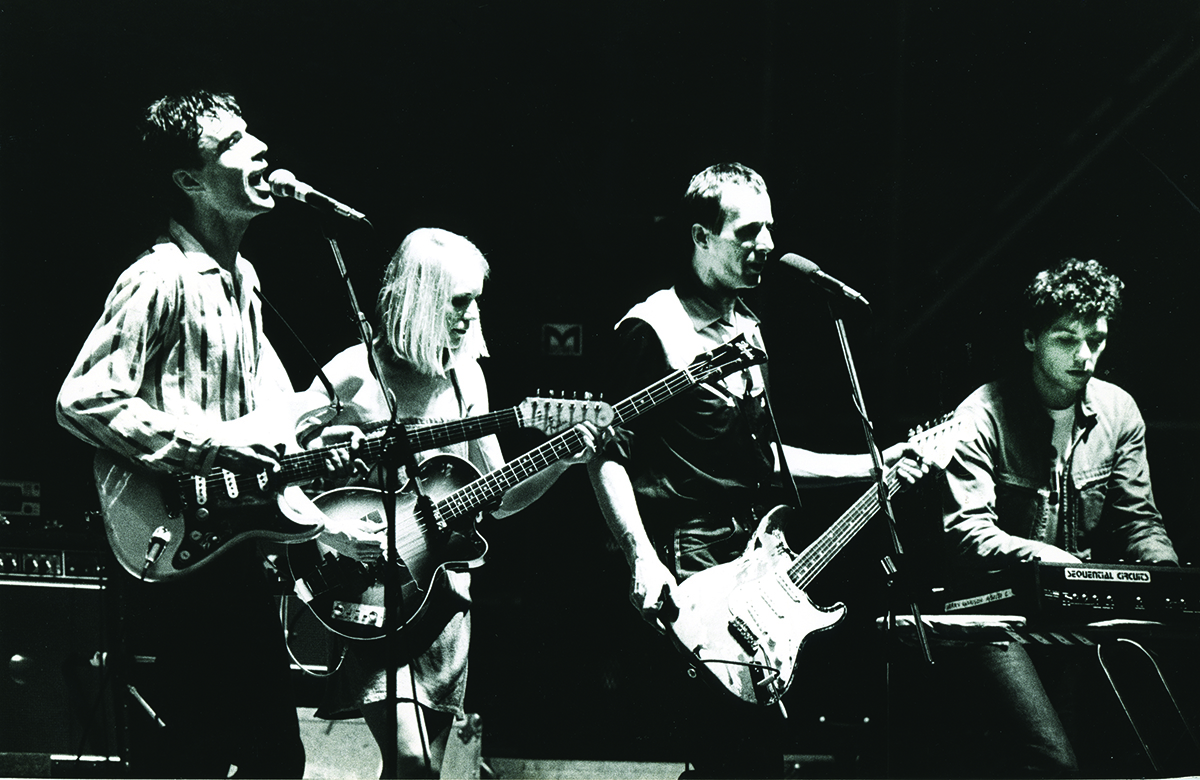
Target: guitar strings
(426,436)
(476,493)
(813,559)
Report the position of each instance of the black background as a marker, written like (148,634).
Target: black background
(932,156)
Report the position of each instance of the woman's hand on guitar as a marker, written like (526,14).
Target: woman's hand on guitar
(594,441)
(652,590)
(358,538)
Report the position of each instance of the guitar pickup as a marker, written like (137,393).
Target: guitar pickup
(744,636)
(357,614)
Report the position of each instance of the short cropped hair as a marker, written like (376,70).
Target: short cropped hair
(171,140)
(702,201)
(1078,288)
(416,287)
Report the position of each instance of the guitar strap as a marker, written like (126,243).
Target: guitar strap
(335,402)
(783,464)
(462,404)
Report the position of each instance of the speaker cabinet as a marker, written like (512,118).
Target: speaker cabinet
(54,695)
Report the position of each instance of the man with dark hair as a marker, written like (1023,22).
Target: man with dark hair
(683,489)
(177,376)
(1053,469)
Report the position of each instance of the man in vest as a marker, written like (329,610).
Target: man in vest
(684,488)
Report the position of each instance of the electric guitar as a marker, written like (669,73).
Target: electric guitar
(162,526)
(744,621)
(438,533)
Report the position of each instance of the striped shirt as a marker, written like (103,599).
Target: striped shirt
(178,350)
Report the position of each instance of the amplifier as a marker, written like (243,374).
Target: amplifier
(42,565)
(20,498)
(56,696)
(1079,592)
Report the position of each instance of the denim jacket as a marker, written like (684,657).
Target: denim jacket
(999,488)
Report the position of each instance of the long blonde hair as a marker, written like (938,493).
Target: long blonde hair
(412,301)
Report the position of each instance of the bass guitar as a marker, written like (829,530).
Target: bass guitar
(438,532)
(162,526)
(745,621)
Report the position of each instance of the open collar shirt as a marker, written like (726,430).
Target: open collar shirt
(707,451)
(1007,495)
(178,350)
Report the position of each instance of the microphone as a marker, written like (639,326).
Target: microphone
(285,185)
(814,274)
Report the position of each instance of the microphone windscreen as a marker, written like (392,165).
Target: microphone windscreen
(801,264)
(282,181)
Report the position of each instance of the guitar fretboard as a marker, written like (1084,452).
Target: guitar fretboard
(645,400)
(817,555)
(304,466)
(935,445)
(733,355)
(469,498)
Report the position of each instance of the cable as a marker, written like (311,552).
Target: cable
(287,633)
(748,664)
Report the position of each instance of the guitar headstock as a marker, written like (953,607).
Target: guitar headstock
(733,355)
(552,416)
(937,439)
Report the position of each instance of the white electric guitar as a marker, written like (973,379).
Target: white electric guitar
(744,622)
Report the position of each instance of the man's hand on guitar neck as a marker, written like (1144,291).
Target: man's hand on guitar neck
(245,457)
(910,466)
(341,461)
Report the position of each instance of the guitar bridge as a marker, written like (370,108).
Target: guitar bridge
(744,636)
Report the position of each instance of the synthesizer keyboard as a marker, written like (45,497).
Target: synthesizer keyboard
(1078,592)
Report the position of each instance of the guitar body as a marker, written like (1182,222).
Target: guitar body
(136,502)
(438,534)
(348,596)
(745,621)
(201,516)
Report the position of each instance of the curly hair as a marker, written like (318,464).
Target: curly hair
(171,139)
(1078,288)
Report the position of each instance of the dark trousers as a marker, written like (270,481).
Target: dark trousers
(1046,711)
(722,736)
(219,676)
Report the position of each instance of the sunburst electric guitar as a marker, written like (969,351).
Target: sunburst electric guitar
(348,596)
(744,622)
(162,526)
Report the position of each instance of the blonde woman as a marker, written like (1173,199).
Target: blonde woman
(426,352)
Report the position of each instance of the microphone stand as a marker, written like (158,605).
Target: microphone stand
(399,451)
(889,562)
